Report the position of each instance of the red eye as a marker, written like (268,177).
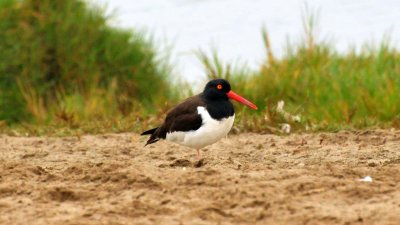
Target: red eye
(219,87)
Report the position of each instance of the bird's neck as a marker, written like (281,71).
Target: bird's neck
(219,108)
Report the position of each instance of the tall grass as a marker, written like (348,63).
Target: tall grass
(327,90)
(61,61)
(62,65)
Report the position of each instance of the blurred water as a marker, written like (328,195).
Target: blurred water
(233,27)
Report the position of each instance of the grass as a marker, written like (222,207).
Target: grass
(320,88)
(65,71)
(63,64)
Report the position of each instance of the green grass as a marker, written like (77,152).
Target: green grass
(62,63)
(328,90)
(65,71)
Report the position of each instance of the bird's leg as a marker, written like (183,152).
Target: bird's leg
(200,161)
(198,154)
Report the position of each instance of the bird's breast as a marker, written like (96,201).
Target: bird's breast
(208,133)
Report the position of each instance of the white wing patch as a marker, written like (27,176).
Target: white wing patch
(210,131)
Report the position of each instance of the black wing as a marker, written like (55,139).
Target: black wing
(184,117)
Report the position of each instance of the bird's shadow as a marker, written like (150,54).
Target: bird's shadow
(184,163)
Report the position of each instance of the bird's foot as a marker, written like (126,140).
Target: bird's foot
(199,163)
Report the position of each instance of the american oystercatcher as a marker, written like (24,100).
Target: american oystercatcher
(200,120)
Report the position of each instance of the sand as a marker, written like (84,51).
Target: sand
(244,179)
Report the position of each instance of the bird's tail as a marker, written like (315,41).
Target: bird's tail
(152,138)
(148,132)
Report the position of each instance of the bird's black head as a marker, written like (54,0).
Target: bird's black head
(217,89)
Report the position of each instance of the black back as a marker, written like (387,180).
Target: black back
(185,117)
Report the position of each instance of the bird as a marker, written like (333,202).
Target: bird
(200,120)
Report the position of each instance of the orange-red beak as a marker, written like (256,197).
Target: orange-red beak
(240,99)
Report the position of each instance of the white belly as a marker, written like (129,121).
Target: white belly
(210,132)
